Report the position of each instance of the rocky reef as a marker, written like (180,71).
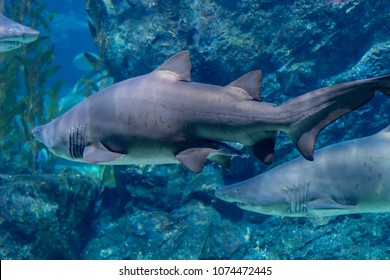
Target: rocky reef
(297,44)
(165,212)
(45,216)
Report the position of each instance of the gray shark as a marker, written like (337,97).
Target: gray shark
(346,178)
(163,117)
(14,35)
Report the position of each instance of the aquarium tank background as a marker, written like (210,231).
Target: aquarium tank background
(51,208)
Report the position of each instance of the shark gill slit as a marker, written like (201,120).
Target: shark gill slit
(76,143)
(298,198)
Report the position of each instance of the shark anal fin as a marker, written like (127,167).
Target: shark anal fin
(179,65)
(250,83)
(195,158)
(328,203)
(264,149)
(94,155)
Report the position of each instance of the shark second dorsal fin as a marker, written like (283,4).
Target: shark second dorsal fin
(250,83)
(179,65)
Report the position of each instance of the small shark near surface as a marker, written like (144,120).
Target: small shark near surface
(345,178)
(14,35)
(163,117)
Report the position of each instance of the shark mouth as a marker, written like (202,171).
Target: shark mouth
(11,44)
(241,204)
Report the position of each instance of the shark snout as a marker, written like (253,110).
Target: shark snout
(37,132)
(30,36)
(228,194)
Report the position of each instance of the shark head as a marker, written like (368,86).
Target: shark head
(259,194)
(55,142)
(14,35)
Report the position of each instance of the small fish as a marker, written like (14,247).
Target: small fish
(14,35)
(87,61)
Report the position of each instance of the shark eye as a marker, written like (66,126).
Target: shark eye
(11,30)
(236,192)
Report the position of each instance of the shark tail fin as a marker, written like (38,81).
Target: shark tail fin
(313,111)
(383,84)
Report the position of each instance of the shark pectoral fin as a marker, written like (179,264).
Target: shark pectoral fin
(264,149)
(94,155)
(250,83)
(328,203)
(194,158)
(179,65)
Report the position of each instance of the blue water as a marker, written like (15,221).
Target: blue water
(51,208)
(71,36)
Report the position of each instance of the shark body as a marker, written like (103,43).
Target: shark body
(346,178)
(13,35)
(163,117)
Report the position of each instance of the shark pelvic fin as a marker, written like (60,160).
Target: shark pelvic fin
(195,158)
(94,155)
(250,83)
(179,65)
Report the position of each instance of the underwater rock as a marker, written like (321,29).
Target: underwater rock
(343,237)
(166,187)
(300,40)
(45,216)
(199,231)
(194,231)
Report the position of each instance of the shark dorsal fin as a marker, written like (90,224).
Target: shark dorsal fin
(250,83)
(179,65)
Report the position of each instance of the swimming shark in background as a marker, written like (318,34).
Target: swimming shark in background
(163,117)
(345,178)
(14,35)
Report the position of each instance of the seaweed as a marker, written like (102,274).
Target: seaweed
(28,90)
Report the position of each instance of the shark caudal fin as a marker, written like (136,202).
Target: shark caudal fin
(311,112)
